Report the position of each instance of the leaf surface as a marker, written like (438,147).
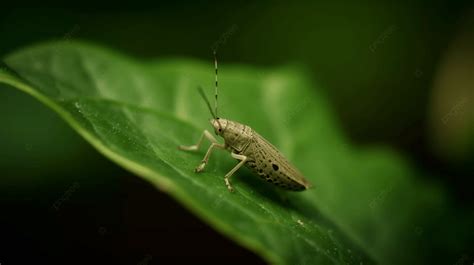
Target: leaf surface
(364,202)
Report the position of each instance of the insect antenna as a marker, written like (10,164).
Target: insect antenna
(216,85)
(203,95)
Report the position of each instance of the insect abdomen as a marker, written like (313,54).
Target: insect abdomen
(279,180)
(268,163)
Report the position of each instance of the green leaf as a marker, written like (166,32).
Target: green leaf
(366,205)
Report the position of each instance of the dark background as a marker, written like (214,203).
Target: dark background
(382,93)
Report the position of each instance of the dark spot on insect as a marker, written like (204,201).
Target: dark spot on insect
(260,170)
(264,165)
(269,161)
(275,167)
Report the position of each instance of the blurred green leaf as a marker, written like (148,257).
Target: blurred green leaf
(366,206)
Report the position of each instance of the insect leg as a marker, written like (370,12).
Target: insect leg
(242,159)
(195,147)
(206,157)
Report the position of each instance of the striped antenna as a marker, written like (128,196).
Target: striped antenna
(215,94)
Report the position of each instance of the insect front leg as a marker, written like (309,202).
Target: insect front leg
(195,147)
(208,154)
(242,159)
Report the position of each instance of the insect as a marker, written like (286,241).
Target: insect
(249,148)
